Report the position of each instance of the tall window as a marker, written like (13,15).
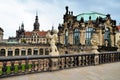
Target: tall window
(66,37)
(23,52)
(46,51)
(35,52)
(29,52)
(107,37)
(2,52)
(41,51)
(88,36)
(76,36)
(10,52)
(16,52)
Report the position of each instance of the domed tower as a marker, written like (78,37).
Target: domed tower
(36,24)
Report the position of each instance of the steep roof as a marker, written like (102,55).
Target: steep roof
(42,33)
(28,33)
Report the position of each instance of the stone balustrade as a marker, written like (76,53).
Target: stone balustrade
(20,65)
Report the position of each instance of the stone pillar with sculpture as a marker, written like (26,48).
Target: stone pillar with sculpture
(54,64)
(95,43)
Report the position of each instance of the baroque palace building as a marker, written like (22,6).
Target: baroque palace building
(78,30)
(74,36)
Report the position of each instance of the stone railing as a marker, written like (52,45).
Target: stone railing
(20,65)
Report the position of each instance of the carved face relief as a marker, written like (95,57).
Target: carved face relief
(94,40)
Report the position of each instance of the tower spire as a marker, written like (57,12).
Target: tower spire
(36,16)
(36,13)
(36,24)
(52,31)
(22,26)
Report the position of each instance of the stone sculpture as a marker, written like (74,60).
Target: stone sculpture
(53,39)
(94,43)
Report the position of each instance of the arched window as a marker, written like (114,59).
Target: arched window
(23,52)
(35,52)
(10,52)
(76,36)
(3,52)
(17,52)
(41,51)
(29,51)
(88,35)
(66,37)
(107,36)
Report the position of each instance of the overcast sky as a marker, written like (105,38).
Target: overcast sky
(50,12)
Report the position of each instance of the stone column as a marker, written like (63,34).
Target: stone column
(70,39)
(19,51)
(6,52)
(13,51)
(54,62)
(95,43)
(82,36)
(44,51)
(32,50)
(100,37)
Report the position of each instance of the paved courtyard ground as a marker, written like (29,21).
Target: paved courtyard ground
(100,72)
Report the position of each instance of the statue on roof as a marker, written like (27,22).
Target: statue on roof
(66,9)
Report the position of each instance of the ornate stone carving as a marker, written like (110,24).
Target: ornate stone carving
(53,40)
(94,43)
(94,40)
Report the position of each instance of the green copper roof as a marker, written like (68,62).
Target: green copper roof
(93,15)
